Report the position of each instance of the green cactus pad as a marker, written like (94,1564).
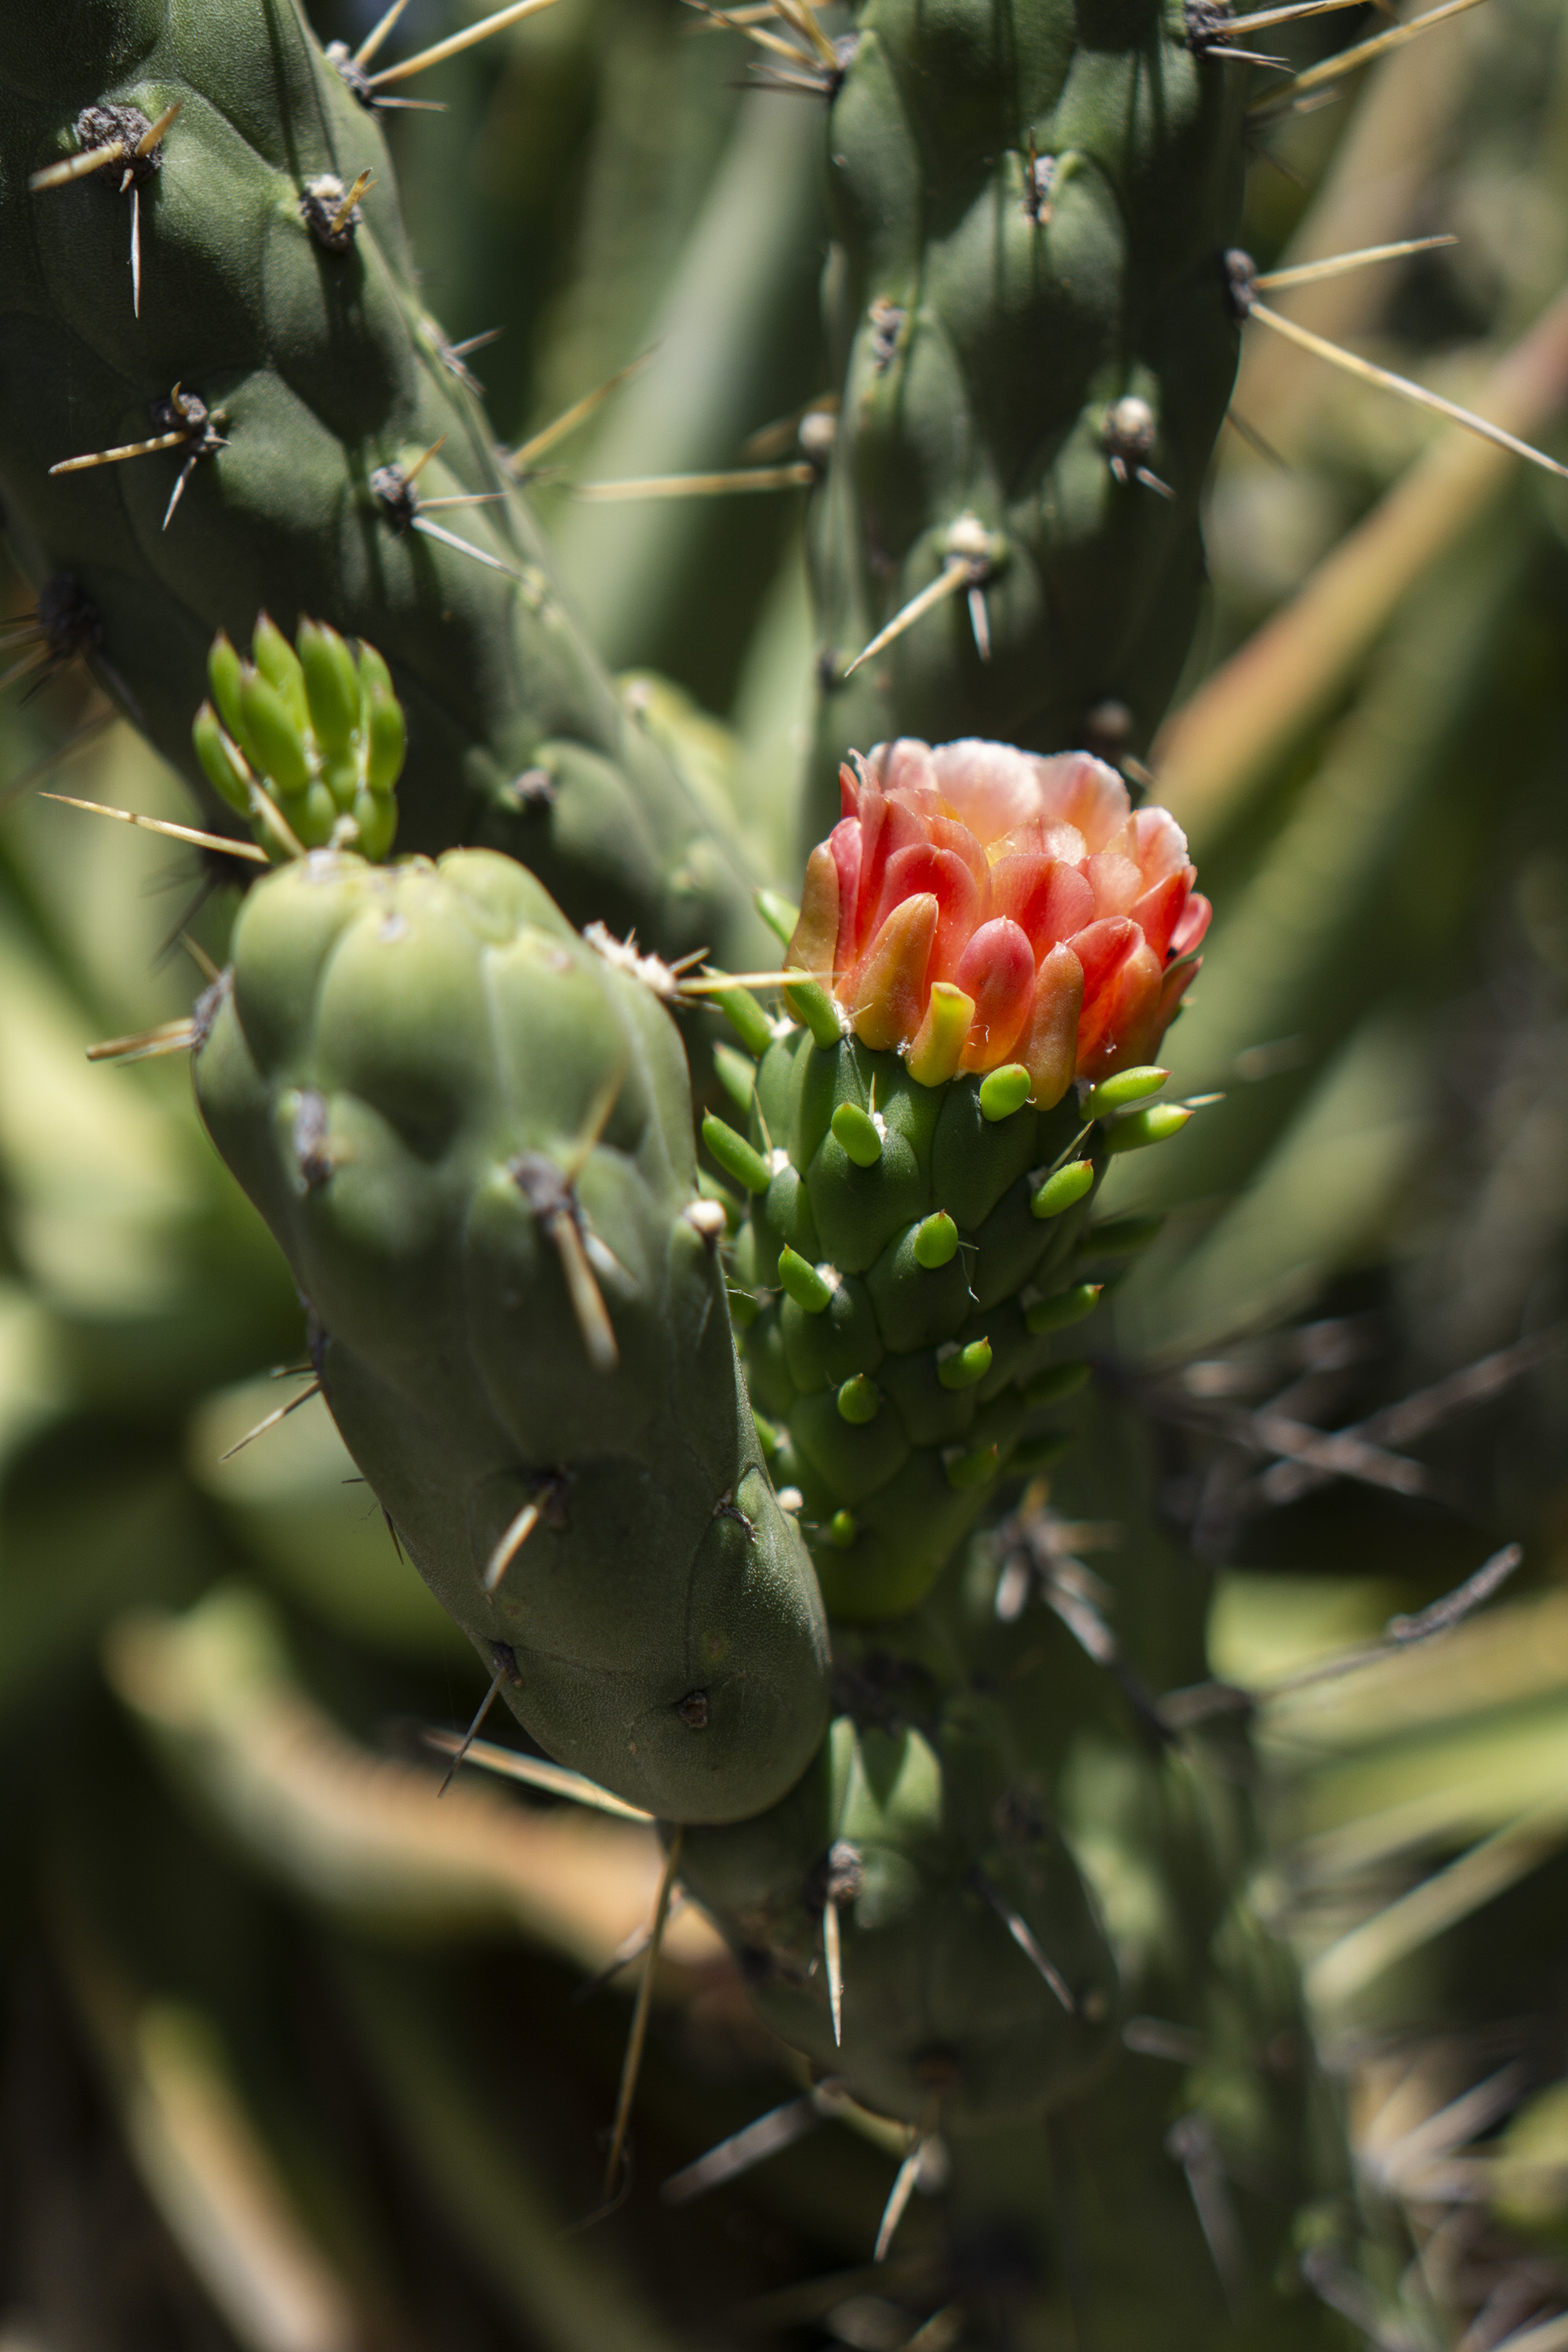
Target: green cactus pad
(318,409)
(930,1844)
(896,1304)
(1030,214)
(473,1137)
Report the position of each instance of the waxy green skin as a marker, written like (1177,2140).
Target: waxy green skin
(890,1317)
(982,347)
(946,2021)
(389,1043)
(326,368)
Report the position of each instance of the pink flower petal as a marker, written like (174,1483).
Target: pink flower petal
(1047,1045)
(1190,932)
(991,786)
(843,844)
(922,867)
(1076,789)
(816,937)
(1162,845)
(1100,947)
(888,999)
(997,970)
(1115,882)
(1048,900)
(1159,910)
(1119,1017)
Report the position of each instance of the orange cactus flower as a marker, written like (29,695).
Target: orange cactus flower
(979,905)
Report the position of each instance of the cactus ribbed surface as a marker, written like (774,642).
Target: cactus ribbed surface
(316,419)
(1030,209)
(472,1138)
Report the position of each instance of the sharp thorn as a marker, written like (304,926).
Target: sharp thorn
(903,2188)
(263,809)
(1288,15)
(833,1962)
(170,1037)
(632,2065)
(980,622)
(115,456)
(957,572)
(578,413)
(464,547)
(466,498)
(1023,1936)
(535,1772)
(62,751)
(412,473)
(24,666)
(178,492)
(630,1947)
(587,1299)
(378,33)
(796,476)
(1370,373)
(455,42)
(471,344)
(76,167)
(1308,273)
(510,1544)
(152,136)
(135,252)
(280,1413)
(504,1667)
(199,956)
(340,219)
(198,840)
(1351,60)
(1254,440)
(753,2144)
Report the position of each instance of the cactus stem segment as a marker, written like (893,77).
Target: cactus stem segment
(169,1037)
(407,67)
(1023,1937)
(505,1671)
(632,2063)
(190,833)
(272,1419)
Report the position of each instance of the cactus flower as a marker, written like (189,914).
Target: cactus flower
(979,905)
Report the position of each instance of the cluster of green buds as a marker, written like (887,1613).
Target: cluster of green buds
(305,742)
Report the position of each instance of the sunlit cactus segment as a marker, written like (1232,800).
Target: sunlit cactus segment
(473,1137)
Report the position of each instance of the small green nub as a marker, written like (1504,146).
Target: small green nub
(376,820)
(1003,1091)
(965,1365)
(813,1006)
(1126,1086)
(747,1019)
(223,670)
(859,1399)
(859,1133)
(386,736)
(805,1283)
(936,1239)
(269,727)
(332,685)
(1063,1188)
(223,763)
(1155,1125)
(1057,1381)
(1120,1236)
(976,1467)
(842,1529)
(1067,1307)
(280,665)
(735,1156)
(737,1074)
(780,917)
